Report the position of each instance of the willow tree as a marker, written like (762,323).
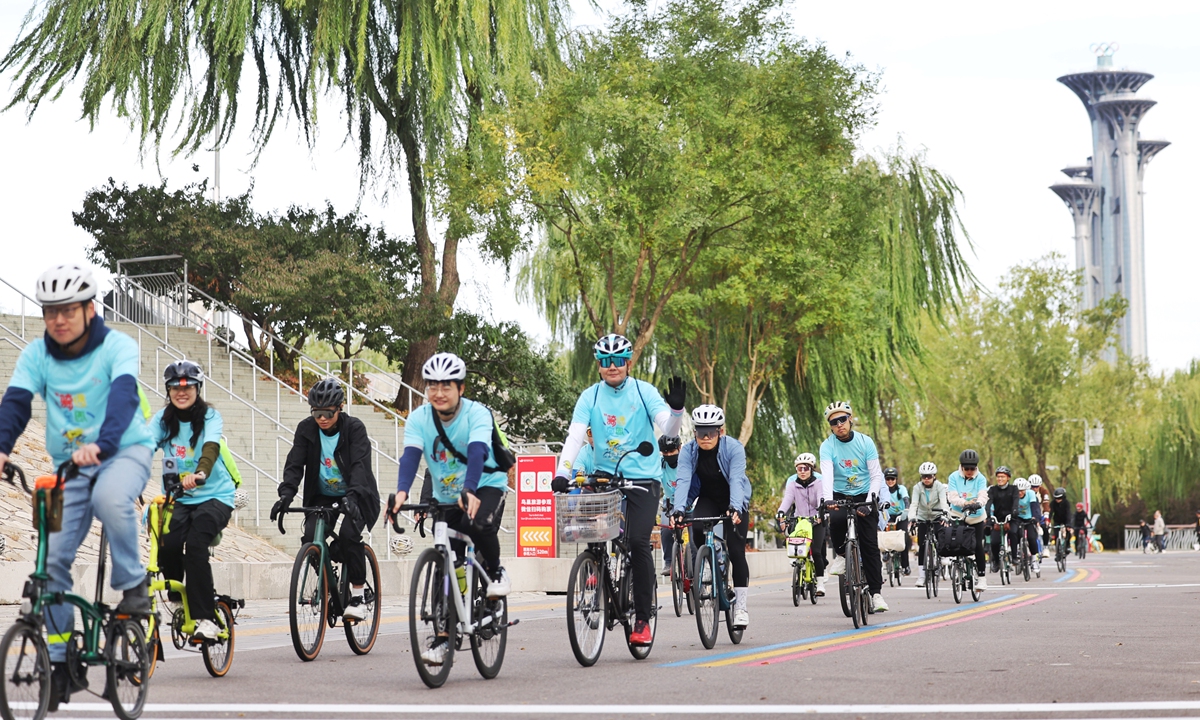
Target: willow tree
(413,78)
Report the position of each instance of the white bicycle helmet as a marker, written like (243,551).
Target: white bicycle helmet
(708,416)
(402,544)
(613,345)
(1022,484)
(806,459)
(838,406)
(927,468)
(64,284)
(443,367)
(1035,480)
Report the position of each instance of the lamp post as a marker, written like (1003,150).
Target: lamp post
(1091,436)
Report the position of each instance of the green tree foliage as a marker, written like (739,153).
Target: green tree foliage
(1173,457)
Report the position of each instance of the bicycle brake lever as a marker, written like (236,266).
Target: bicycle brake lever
(281,514)
(421,527)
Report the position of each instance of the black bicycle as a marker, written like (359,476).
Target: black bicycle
(929,556)
(1004,562)
(852,584)
(1024,553)
(1062,547)
(962,567)
(712,587)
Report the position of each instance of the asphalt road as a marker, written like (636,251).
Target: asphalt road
(1115,637)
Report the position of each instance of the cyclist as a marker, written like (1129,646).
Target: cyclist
(967,485)
(717,463)
(1060,512)
(622,412)
(802,495)
(1003,502)
(668,447)
(897,512)
(189,430)
(97,417)
(929,504)
(332,453)
(850,471)
(1028,511)
(1081,524)
(1040,511)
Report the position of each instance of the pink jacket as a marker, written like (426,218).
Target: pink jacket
(807,500)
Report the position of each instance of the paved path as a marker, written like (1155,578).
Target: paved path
(1117,636)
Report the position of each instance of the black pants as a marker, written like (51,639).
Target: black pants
(735,541)
(924,533)
(184,552)
(867,530)
(980,547)
(820,534)
(902,524)
(641,511)
(483,529)
(347,548)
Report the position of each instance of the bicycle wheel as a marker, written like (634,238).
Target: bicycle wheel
(361,635)
(639,652)
(689,566)
(431,618)
(708,605)
(930,564)
(152,635)
(864,605)
(798,587)
(128,671)
(956,581)
(677,587)
(735,633)
(25,665)
(844,594)
(491,632)
(587,611)
(308,602)
(887,563)
(218,655)
(1026,561)
(897,569)
(810,580)
(975,592)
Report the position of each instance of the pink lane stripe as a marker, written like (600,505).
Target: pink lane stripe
(1093,575)
(878,638)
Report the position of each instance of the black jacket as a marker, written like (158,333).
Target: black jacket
(352,455)
(1003,501)
(1060,512)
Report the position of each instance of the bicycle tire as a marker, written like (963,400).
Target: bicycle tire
(798,587)
(887,562)
(810,579)
(735,632)
(24,664)
(844,595)
(128,668)
(587,608)
(489,640)
(931,569)
(152,635)
(864,606)
(361,636)
(431,616)
(677,587)
(1026,561)
(956,581)
(308,613)
(218,655)
(640,652)
(708,606)
(854,600)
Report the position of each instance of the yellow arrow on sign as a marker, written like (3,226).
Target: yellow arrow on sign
(537,536)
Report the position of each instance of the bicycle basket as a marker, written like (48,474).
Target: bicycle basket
(891,541)
(798,547)
(588,517)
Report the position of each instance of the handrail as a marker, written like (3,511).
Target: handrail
(1178,537)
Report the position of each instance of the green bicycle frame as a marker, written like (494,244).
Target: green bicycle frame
(159,519)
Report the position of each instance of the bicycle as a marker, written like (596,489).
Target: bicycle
(312,606)
(1082,541)
(446,607)
(1062,546)
(962,567)
(24,654)
(681,572)
(1024,555)
(1004,563)
(929,557)
(218,654)
(804,570)
(852,584)
(891,562)
(600,587)
(713,589)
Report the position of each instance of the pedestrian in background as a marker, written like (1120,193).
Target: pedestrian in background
(1145,534)
(1196,545)
(1160,531)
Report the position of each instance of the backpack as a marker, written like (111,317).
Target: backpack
(956,540)
(501,452)
(230,465)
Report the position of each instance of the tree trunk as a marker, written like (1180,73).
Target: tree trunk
(421,349)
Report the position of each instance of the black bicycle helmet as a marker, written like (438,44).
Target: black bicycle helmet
(1060,492)
(668,444)
(968,458)
(183,373)
(1004,469)
(890,473)
(326,393)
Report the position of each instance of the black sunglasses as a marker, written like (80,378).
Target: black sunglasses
(706,433)
(323,413)
(839,420)
(929,477)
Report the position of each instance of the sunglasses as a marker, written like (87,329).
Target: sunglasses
(706,433)
(607,361)
(839,420)
(970,468)
(929,477)
(323,413)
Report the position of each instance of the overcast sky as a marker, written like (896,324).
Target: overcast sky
(971,84)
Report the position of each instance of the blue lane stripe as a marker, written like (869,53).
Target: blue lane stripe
(1068,576)
(841,633)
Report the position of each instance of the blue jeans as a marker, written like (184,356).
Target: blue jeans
(120,481)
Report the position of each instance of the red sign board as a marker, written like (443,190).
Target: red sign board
(535,506)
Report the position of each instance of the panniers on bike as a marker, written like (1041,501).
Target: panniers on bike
(891,541)
(956,540)
(799,543)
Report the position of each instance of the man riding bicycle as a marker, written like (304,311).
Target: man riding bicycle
(850,470)
(897,512)
(1002,503)
(1081,524)
(622,412)
(96,417)
(332,453)
(929,504)
(1027,505)
(802,496)
(967,485)
(717,463)
(668,447)
(1060,513)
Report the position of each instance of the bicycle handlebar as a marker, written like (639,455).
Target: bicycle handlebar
(335,509)
(13,470)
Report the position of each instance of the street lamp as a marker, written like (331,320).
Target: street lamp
(1091,436)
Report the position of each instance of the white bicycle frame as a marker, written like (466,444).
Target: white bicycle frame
(442,535)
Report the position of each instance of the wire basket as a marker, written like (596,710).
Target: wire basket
(589,517)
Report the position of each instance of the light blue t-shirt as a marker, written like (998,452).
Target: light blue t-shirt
(669,481)
(76,393)
(332,482)
(850,474)
(585,462)
(472,424)
(621,419)
(1025,505)
(899,500)
(219,485)
(969,489)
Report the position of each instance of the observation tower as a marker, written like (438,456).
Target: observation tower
(1105,195)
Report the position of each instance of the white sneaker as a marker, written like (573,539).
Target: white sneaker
(947,562)
(1045,553)
(981,584)
(838,566)
(357,611)
(921,576)
(741,617)
(878,604)
(206,630)
(1037,567)
(436,654)
(820,587)
(499,587)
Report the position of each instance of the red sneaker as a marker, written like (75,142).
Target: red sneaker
(641,634)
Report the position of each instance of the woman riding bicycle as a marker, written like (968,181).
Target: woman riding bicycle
(189,430)
(897,511)
(802,495)
(929,504)
(967,485)
(668,447)
(718,463)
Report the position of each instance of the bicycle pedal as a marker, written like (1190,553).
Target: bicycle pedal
(511,623)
